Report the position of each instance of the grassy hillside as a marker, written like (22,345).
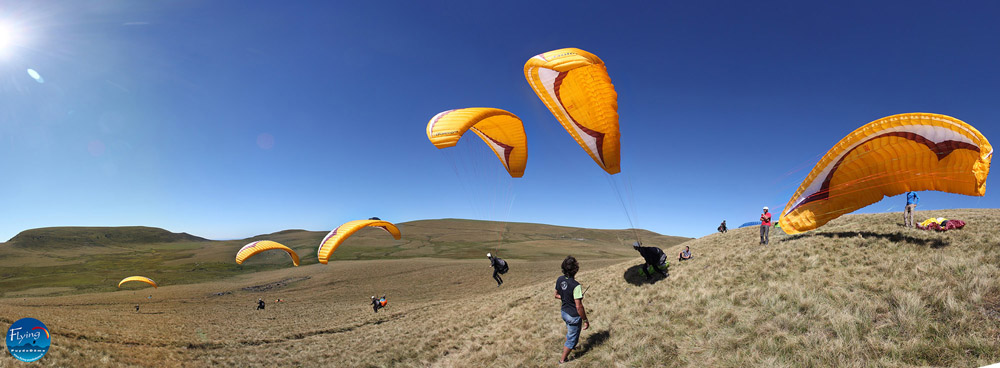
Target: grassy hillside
(70,237)
(861,291)
(67,259)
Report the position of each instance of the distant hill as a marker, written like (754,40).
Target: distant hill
(68,237)
(95,257)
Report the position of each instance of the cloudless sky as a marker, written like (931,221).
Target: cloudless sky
(227,119)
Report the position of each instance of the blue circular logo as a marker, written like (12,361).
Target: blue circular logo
(28,339)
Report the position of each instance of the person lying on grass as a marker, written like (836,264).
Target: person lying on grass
(573,313)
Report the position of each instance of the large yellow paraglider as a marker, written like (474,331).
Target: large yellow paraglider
(342,232)
(139,279)
(575,86)
(252,249)
(887,157)
(501,130)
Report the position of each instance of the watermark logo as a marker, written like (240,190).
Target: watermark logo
(28,339)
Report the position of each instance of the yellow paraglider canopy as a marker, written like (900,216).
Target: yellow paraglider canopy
(575,86)
(139,279)
(887,157)
(501,130)
(253,248)
(342,232)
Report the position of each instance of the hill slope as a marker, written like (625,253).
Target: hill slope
(68,237)
(861,291)
(80,259)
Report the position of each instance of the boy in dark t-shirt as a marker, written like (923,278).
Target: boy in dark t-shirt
(571,294)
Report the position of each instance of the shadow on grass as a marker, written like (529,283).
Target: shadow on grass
(634,275)
(893,237)
(593,341)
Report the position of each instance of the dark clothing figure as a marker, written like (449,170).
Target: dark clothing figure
(379,303)
(722,228)
(567,287)
(375,218)
(260,304)
(499,268)
(655,260)
(137,308)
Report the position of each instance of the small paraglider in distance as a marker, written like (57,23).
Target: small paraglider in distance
(138,279)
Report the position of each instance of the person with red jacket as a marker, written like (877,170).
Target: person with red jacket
(765,226)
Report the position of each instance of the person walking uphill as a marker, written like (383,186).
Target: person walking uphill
(765,227)
(499,268)
(570,293)
(912,199)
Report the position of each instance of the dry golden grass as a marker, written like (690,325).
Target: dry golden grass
(861,291)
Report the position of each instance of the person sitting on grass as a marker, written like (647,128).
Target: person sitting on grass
(260,303)
(722,228)
(656,260)
(685,254)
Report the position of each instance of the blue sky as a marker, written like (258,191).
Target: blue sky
(228,119)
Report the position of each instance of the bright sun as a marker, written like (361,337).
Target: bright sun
(8,37)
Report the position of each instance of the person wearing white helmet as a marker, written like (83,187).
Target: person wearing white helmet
(499,268)
(765,227)
(379,303)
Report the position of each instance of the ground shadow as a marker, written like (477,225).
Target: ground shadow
(893,237)
(634,275)
(593,341)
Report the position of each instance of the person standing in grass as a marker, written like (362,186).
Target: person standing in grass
(260,303)
(912,199)
(722,228)
(765,227)
(573,313)
(499,268)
